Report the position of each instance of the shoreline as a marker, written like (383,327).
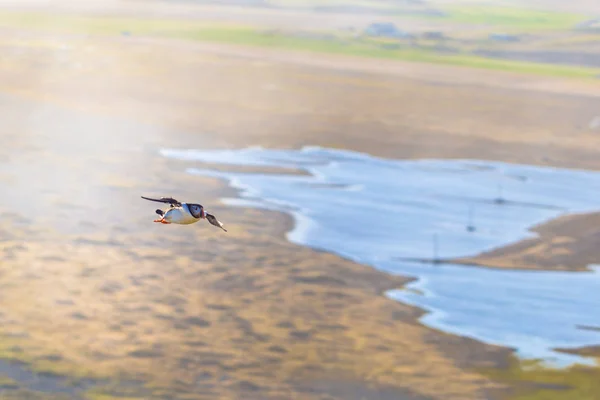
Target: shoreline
(568,243)
(386,282)
(456,262)
(553,232)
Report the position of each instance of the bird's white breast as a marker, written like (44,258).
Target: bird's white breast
(180,215)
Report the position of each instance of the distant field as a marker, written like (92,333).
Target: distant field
(512,17)
(252,36)
(373,4)
(495,15)
(587,7)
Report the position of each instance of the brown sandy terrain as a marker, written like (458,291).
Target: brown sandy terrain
(567,243)
(588,351)
(90,287)
(520,118)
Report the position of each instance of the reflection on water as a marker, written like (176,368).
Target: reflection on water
(378,211)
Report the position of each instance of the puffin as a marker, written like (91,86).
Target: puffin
(183,213)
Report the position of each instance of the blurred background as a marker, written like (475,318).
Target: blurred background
(409,188)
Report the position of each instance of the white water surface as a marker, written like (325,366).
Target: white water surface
(387,212)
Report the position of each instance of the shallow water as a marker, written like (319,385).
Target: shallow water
(383,212)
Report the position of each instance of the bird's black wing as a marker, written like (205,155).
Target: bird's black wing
(214,221)
(168,200)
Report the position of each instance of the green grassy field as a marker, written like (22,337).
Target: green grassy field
(512,18)
(499,16)
(536,382)
(372,4)
(252,36)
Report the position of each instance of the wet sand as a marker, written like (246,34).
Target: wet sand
(91,288)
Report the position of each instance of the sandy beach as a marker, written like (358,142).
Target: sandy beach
(91,289)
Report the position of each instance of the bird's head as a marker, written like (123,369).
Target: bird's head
(197,210)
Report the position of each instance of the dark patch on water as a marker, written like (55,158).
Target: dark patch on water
(589,328)
(501,200)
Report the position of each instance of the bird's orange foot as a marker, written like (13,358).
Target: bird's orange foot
(164,222)
(158,220)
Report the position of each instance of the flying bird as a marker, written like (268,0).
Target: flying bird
(183,213)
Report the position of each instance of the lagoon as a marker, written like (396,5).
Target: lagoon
(385,213)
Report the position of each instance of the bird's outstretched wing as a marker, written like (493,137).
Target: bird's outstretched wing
(168,200)
(214,221)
